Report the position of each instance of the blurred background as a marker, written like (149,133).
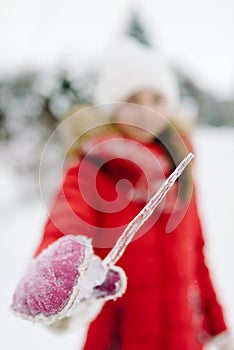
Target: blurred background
(50,54)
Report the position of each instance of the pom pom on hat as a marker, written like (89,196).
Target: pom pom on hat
(131,67)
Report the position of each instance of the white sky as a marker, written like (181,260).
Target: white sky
(196,35)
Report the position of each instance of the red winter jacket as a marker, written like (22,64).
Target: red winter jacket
(170,302)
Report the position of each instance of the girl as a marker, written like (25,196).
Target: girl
(112,171)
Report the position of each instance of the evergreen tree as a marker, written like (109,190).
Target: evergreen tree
(136,29)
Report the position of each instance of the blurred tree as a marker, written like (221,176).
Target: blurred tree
(46,116)
(212,110)
(3,131)
(69,91)
(136,29)
(31,105)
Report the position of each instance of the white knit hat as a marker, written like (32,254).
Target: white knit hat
(130,67)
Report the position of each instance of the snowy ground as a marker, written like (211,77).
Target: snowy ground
(22,220)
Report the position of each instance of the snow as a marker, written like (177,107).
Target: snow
(22,220)
(214,171)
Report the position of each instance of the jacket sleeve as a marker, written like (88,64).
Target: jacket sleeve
(72,211)
(212,311)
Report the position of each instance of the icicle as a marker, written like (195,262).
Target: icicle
(128,234)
